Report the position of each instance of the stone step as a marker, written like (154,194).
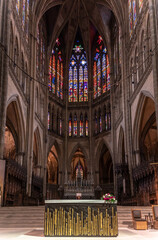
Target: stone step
(33,217)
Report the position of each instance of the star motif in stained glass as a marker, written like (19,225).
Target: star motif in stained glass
(77,48)
(83,62)
(73,63)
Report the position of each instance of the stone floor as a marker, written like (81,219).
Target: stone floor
(31,234)
(26,223)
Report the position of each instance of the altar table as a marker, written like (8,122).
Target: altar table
(89,218)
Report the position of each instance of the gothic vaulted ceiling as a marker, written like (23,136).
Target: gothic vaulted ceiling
(64,17)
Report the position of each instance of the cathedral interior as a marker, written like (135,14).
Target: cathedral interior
(78,100)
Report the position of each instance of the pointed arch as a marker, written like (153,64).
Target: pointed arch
(15,104)
(37,138)
(138,115)
(57,147)
(77,146)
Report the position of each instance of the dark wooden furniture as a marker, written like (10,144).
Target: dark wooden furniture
(138,222)
(155,215)
(84,218)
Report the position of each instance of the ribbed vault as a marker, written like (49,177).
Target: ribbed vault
(65,16)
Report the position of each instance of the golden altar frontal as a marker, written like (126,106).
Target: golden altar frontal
(87,218)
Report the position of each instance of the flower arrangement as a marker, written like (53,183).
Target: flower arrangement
(109,198)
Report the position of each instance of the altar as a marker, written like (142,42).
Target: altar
(88,218)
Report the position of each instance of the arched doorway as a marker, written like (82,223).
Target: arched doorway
(106,171)
(52,174)
(15,171)
(145,177)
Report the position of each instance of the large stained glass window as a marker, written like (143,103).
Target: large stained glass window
(101,69)
(75,125)
(78,74)
(56,71)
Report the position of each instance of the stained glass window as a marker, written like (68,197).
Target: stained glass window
(48,120)
(104,74)
(18,6)
(95,79)
(56,69)
(134,13)
(70,126)
(108,73)
(100,123)
(60,126)
(75,89)
(75,125)
(130,17)
(58,78)
(86,126)
(78,74)
(99,77)
(109,121)
(140,5)
(101,69)
(61,81)
(53,73)
(80,84)
(85,84)
(106,121)
(50,74)
(81,126)
(70,85)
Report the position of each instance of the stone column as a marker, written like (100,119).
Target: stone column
(4,64)
(127,108)
(65,146)
(154,41)
(31,113)
(112,119)
(45,137)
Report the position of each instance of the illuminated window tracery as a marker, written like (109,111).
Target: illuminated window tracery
(75,125)
(78,75)
(56,70)
(101,70)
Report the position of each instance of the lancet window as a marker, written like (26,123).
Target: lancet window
(78,74)
(101,69)
(56,70)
